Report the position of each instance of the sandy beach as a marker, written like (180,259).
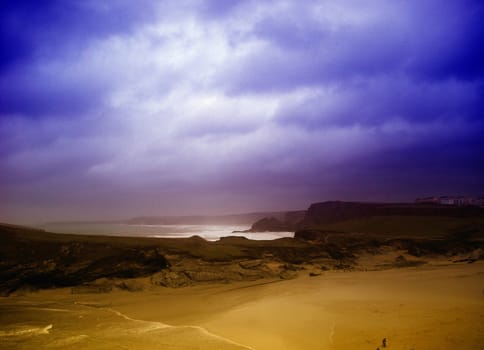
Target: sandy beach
(436,306)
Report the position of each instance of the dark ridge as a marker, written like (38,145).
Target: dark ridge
(336,211)
(37,259)
(332,235)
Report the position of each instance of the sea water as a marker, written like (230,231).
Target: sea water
(208,232)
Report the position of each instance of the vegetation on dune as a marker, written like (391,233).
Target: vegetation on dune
(332,235)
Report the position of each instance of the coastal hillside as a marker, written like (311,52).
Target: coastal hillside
(409,219)
(425,220)
(33,259)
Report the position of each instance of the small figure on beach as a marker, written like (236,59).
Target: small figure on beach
(384,342)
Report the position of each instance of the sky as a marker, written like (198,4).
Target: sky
(113,109)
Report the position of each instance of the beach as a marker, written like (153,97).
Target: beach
(436,306)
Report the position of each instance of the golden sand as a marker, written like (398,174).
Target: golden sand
(429,307)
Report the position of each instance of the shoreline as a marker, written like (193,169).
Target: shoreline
(412,307)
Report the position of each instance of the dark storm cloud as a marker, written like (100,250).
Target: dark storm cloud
(324,58)
(378,101)
(114,107)
(31,29)
(446,166)
(34,35)
(34,92)
(449,44)
(426,42)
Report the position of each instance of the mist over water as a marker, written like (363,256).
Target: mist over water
(208,232)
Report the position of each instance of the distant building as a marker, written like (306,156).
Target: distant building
(452,200)
(427,200)
(447,200)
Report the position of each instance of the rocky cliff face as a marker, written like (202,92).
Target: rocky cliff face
(289,222)
(195,271)
(43,260)
(269,225)
(31,259)
(336,211)
(332,212)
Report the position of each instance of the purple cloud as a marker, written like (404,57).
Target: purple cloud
(112,109)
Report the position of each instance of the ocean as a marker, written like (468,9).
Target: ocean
(208,232)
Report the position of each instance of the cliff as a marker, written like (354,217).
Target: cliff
(290,221)
(329,235)
(336,211)
(393,218)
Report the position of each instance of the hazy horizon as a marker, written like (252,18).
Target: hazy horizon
(112,110)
